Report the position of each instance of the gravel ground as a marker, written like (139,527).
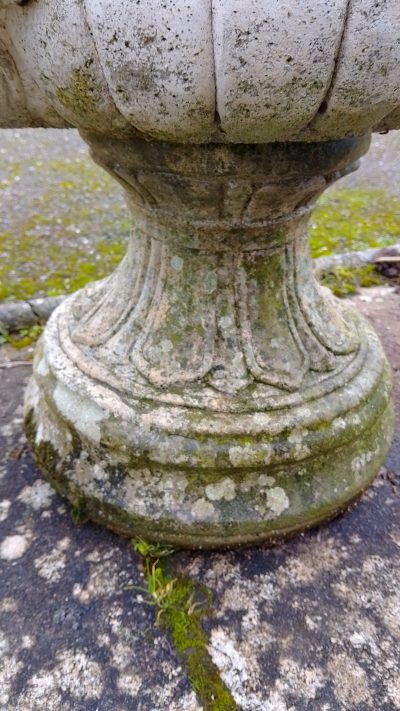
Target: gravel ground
(380,168)
(63,220)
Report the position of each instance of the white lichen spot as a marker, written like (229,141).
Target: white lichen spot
(99,472)
(166,346)
(104,578)
(38,496)
(13,547)
(27,642)
(210,282)
(4,508)
(264,480)
(42,367)
(202,509)
(230,662)
(50,566)
(129,684)
(300,449)
(8,604)
(174,482)
(339,424)
(312,623)
(82,412)
(277,500)
(304,682)
(224,489)
(350,681)
(250,455)
(74,673)
(177,263)
(226,322)
(360,463)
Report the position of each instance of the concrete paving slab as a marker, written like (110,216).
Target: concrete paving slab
(312,624)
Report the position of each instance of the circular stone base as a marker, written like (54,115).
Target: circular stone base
(203,479)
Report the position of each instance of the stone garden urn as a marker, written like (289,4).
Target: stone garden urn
(210,392)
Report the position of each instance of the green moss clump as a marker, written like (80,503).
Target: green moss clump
(346,220)
(22,338)
(181,604)
(344,281)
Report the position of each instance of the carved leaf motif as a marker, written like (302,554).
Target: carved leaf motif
(229,372)
(177,319)
(321,359)
(273,201)
(176,344)
(101,309)
(321,311)
(273,350)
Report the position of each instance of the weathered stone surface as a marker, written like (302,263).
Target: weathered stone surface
(308,625)
(211,363)
(205,70)
(210,393)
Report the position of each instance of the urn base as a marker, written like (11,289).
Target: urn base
(207,480)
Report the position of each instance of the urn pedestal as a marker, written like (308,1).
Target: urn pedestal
(210,392)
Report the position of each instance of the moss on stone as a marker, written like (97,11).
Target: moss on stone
(22,338)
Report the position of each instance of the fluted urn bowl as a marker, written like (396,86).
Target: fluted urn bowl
(210,392)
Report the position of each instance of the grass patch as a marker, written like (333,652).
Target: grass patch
(72,228)
(347,220)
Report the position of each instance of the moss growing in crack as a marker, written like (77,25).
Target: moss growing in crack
(78,511)
(181,604)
